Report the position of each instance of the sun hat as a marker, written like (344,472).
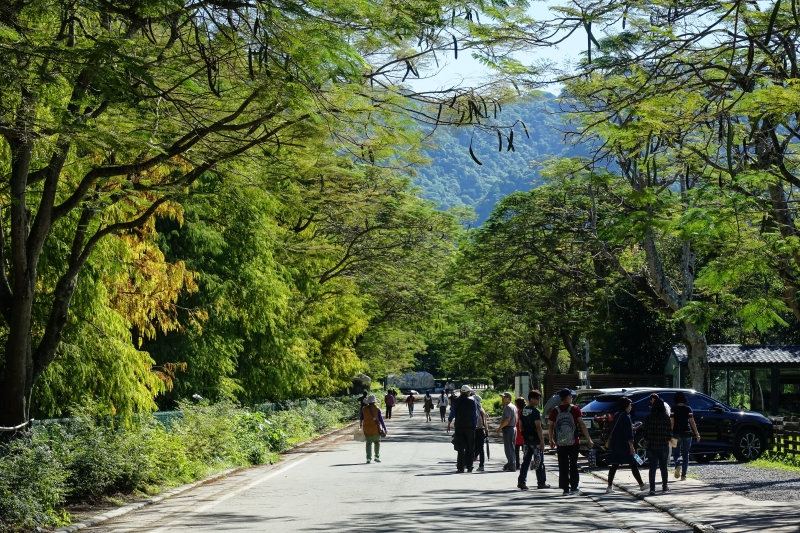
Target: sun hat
(465,388)
(371,399)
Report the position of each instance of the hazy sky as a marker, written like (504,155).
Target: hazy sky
(466,71)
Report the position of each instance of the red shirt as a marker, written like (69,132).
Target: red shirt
(410,398)
(576,414)
(519,440)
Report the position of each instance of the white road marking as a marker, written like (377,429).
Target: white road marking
(230,495)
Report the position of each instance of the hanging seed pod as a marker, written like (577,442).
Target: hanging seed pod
(472,154)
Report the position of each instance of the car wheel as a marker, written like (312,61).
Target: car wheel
(704,457)
(748,444)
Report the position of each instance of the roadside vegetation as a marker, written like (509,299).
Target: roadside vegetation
(89,458)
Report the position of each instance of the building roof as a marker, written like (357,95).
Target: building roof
(763,354)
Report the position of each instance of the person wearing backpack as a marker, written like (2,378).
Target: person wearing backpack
(531,424)
(508,427)
(565,420)
(464,410)
(443,402)
(371,421)
(623,451)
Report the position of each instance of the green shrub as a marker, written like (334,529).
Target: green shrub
(33,482)
(88,457)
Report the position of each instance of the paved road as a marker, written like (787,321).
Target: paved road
(328,487)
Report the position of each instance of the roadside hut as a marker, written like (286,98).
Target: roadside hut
(758,377)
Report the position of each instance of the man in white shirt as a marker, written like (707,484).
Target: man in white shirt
(443,403)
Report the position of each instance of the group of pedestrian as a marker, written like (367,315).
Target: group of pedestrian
(663,428)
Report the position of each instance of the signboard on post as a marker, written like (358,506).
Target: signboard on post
(522,384)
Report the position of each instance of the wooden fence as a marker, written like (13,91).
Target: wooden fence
(786,432)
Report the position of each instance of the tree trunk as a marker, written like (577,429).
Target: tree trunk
(697,350)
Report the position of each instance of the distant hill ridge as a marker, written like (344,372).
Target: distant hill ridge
(454,179)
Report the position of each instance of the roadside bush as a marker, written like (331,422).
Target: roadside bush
(88,457)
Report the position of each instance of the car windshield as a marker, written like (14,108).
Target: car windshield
(584,398)
(603,403)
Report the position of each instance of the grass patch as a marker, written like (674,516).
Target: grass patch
(87,460)
(778,461)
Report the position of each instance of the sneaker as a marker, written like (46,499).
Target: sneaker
(609,490)
(522,486)
(665,489)
(565,493)
(642,486)
(460,471)
(469,470)
(677,472)
(369,461)
(480,468)
(545,486)
(576,490)
(683,478)
(377,459)
(651,493)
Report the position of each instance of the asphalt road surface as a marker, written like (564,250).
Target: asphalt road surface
(327,486)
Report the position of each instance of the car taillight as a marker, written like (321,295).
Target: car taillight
(605,417)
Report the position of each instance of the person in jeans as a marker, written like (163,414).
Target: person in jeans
(565,422)
(410,399)
(531,424)
(443,402)
(622,444)
(508,427)
(389,400)
(370,420)
(683,429)
(481,432)
(658,432)
(465,412)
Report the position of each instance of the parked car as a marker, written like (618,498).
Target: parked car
(723,429)
(582,397)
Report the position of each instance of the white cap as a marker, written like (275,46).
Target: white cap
(465,388)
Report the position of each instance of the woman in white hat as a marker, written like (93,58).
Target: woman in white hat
(371,421)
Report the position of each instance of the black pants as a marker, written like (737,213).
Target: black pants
(568,467)
(479,453)
(389,411)
(634,470)
(658,461)
(443,411)
(465,437)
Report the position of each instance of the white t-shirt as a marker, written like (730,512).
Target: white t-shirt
(443,402)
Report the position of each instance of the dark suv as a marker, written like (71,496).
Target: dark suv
(723,429)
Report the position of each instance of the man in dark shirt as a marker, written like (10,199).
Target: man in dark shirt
(465,412)
(531,422)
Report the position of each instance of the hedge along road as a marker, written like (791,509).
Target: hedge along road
(327,486)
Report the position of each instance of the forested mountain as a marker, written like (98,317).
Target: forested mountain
(455,179)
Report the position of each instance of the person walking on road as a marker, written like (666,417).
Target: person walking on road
(658,432)
(427,405)
(443,403)
(410,399)
(371,421)
(623,450)
(519,403)
(508,427)
(565,420)
(389,400)
(531,424)
(363,400)
(683,429)
(481,433)
(465,412)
